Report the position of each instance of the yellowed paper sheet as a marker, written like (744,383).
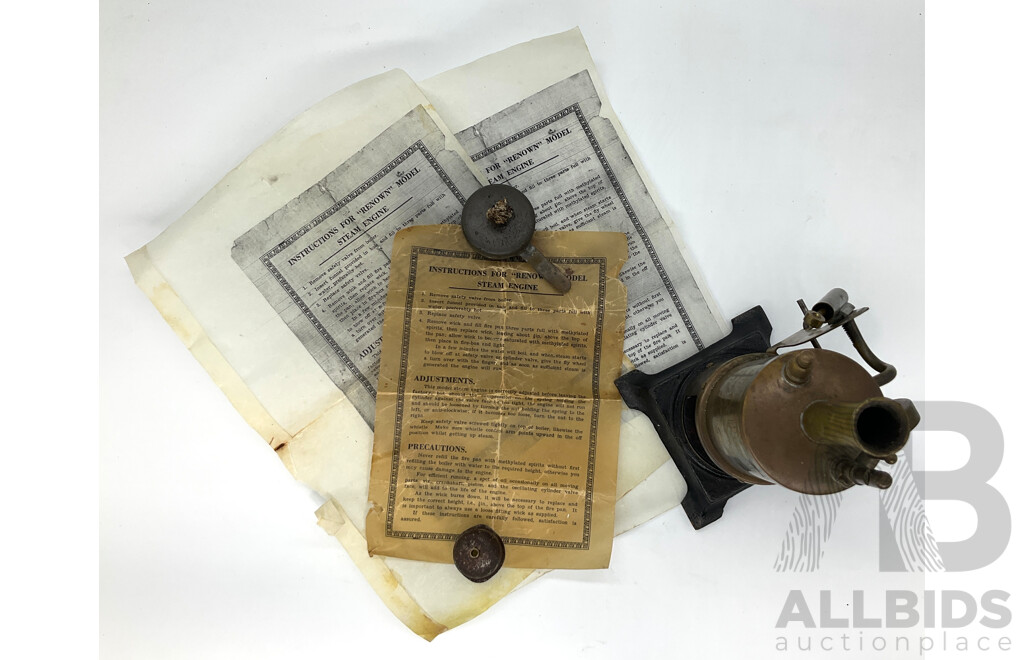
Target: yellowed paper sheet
(497,403)
(543,102)
(244,341)
(274,379)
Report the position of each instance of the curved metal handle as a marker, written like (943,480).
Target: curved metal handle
(886,371)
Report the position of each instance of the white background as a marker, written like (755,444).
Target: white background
(787,140)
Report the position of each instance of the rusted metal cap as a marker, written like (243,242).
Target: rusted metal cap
(498,221)
(479,552)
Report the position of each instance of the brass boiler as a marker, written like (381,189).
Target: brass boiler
(811,420)
(740,412)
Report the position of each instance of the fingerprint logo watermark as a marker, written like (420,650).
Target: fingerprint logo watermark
(880,622)
(906,542)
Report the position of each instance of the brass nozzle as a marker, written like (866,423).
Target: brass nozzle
(879,426)
(849,473)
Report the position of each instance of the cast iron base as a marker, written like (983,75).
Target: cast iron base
(669,399)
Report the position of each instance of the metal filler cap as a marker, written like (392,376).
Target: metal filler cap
(479,553)
(498,221)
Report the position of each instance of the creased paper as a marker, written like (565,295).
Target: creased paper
(282,380)
(497,403)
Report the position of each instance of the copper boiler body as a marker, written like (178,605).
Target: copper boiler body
(811,420)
